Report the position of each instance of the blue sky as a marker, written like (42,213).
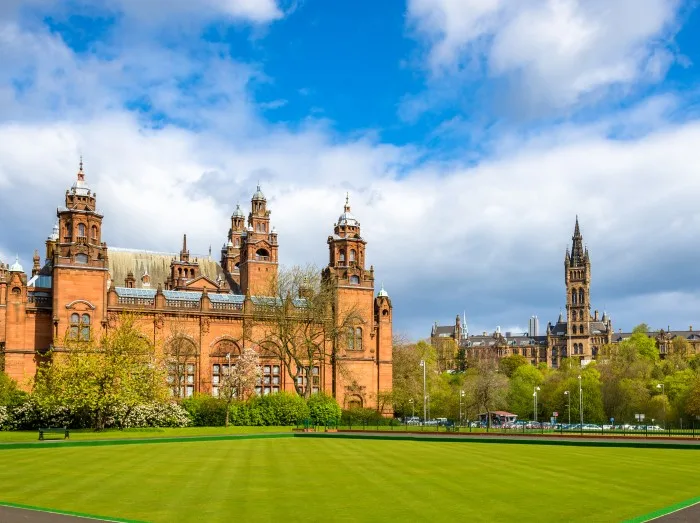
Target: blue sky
(469,134)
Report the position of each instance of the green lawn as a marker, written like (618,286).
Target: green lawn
(82,435)
(347,480)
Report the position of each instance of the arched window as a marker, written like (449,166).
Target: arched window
(580,296)
(355,280)
(341,255)
(81,258)
(79,327)
(262,254)
(94,232)
(354,338)
(81,230)
(351,338)
(580,328)
(573,329)
(573,296)
(358,338)
(353,255)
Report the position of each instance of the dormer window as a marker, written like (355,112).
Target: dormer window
(354,280)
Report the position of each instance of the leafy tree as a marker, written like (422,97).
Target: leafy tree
(521,388)
(509,364)
(180,351)
(692,401)
(487,390)
(679,347)
(300,324)
(92,377)
(10,394)
(408,375)
(239,379)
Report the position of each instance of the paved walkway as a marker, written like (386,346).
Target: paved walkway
(23,515)
(687,515)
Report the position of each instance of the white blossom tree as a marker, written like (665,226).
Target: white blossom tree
(239,378)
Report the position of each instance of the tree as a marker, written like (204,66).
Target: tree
(239,379)
(408,374)
(10,394)
(510,364)
(180,353)
(488,389)
(92,377)
(300,324)
(521,388)
(692,402)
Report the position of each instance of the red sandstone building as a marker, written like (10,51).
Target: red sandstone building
(83,287)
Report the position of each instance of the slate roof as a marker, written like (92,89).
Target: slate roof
(121,261)
(688,335)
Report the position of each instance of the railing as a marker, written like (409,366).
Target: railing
(262,258)
(182,304)
(140,302)
(227,306)
(39,301)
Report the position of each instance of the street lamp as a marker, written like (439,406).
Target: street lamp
(425,396)
(413,408)
(534,394)
(663,393)
(580,399)
(568,397)
(461,395)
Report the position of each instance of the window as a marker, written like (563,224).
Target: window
(354,338)
(353,255)
(81,230)
(270,381)
(341,256)
(81,258)
(217,375)
(573,329)
(355,280)
(79,327)
(315,379)
(573,296)
(181,379)
(94,232)
(580,328)
(580,296)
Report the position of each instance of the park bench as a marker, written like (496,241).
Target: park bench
(56,430)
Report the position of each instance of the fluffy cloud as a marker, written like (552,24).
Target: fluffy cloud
(557,52)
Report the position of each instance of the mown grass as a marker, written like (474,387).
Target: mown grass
(349,480)
(83,435)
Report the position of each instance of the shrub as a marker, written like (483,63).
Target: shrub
(280,409)
(360,416)
(323,410)
(4,417)
(205,411)
(150,415)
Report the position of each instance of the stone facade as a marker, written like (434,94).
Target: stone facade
(580,335)
(198,311)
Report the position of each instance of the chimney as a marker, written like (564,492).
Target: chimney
(595,317)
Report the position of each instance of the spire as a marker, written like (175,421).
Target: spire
(184,253)
(81,174)
(577,252)
(347,202)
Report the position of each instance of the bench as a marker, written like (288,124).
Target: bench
(57,430)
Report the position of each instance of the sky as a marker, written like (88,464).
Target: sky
(469,135)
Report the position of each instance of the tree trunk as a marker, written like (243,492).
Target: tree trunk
(228,405)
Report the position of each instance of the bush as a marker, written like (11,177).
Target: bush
(280,409)
(324,410)
(4,417)
(205,411)
(360,416)
(150,415)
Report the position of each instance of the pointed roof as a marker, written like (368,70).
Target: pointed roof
(347,218)
(259,194)
(577,256)
(238,213)
(16,267)
(80,186)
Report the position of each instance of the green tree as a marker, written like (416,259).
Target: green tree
(510,364)
(521,388)
(487,390)
(408,375)
(10,394)
(93,377)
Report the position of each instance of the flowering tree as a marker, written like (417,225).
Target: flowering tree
(239,379)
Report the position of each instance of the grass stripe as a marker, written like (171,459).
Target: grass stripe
(109,442)
(67,513)
(665,511)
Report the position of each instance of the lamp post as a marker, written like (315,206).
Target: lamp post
(534,394)
(568,397)
(425,396)
(663,393)
(413,408)
(461,395)
(580,399)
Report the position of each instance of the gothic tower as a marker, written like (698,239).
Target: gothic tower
(79,266)
(258,255)
(577,275)
(231,251)
(359,354)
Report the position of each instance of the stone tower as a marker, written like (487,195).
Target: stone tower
(258,255)
(577,274)
(79,266)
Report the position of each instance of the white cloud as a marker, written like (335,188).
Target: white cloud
(557,52)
